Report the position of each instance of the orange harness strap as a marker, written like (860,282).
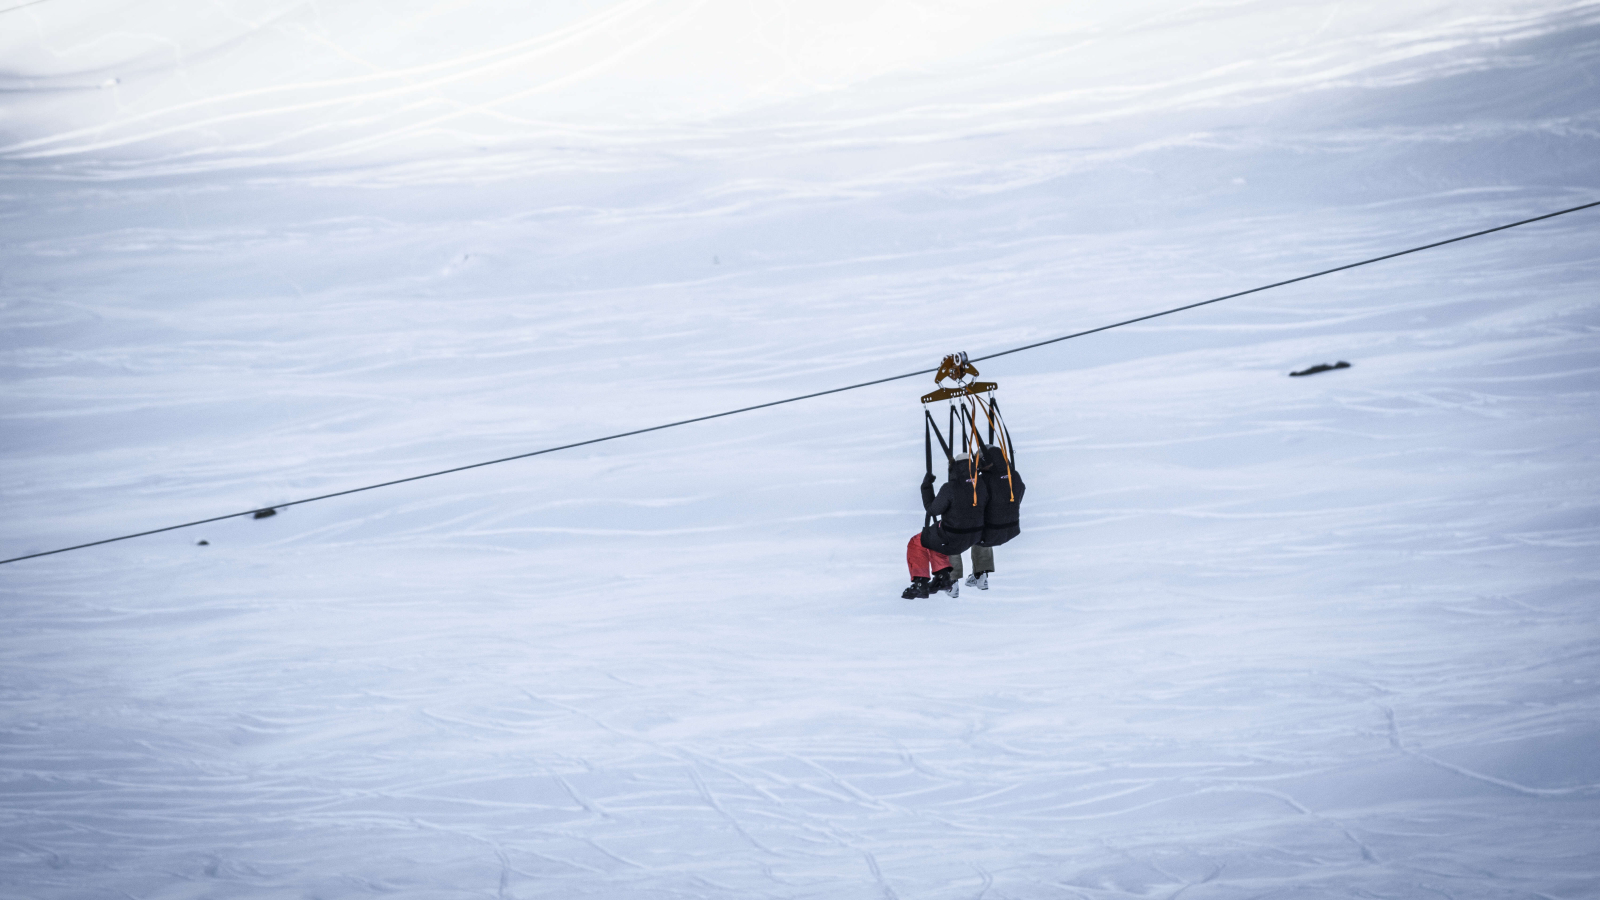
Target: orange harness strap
(992,411)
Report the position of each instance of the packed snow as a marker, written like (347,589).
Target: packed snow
(1261,636)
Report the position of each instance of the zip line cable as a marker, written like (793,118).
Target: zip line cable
(1276,284)
(837,390)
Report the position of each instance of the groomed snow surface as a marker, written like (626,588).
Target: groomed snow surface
(1262,636)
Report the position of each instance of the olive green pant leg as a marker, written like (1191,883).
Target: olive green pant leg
(955,565)
(982,559)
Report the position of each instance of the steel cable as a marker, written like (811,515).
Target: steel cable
(837,390)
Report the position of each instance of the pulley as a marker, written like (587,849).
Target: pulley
(956,368)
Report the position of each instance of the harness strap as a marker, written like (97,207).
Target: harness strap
(1011,484)
(927,453)
(927,443)
(1006,449)
(969,411)
(930,431)
(942,445)
(968,441)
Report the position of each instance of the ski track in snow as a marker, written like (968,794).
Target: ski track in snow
(1261,636)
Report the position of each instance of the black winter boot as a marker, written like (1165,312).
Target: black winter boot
(945,580)
(917,591)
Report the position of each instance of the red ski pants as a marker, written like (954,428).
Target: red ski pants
(922,561)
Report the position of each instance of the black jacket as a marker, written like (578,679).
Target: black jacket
(1002,511)
(960,506)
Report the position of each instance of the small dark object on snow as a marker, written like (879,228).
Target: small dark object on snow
(203,544)
(1324,367)
(265,513)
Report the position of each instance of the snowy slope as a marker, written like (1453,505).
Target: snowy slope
(1261,637)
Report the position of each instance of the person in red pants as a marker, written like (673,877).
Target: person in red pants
(925,566)
(959,506)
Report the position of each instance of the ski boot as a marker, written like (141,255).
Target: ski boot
(943,581)
(917,591)
(979,580)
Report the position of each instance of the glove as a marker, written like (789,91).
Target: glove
(928,480)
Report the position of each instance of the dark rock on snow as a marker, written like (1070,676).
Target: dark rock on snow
(1324,367)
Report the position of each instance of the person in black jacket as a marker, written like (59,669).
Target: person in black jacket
(1001,519)
(959,506)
